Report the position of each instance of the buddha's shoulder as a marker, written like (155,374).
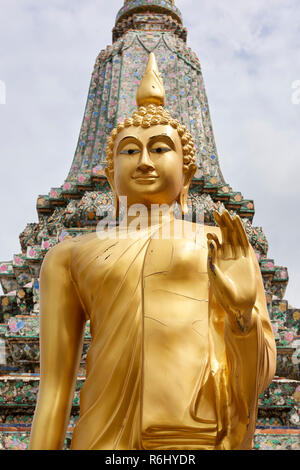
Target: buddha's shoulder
(89,242)
(63,251)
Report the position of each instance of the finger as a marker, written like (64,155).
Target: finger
(231,239)
(213,236)
(220,221)
(244,243)
(225,223)
(212,255)
(237,249)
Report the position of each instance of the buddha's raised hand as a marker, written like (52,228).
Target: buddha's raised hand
(232,272)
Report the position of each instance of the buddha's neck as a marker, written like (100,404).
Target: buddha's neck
(148,217)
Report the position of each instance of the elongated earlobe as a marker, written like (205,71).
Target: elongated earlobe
(183,196)
(182,200)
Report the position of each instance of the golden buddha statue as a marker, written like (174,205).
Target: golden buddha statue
(182,343)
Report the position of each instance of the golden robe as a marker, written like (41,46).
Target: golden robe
(165,370)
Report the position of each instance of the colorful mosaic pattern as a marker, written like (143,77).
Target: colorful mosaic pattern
(14,441)
(164,5)
(140,22)
(20,441)
(276,441)
(279,405)
(23,390)
(21,336)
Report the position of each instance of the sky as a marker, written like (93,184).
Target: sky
(250,57)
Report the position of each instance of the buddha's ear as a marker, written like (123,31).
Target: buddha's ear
(188,175)
(187,179)
(110,177)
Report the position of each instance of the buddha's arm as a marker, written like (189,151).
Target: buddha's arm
(248,362)
(61,332)
(237,287)
(258,344)
(259,309)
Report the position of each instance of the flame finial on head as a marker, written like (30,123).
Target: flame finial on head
(151,89)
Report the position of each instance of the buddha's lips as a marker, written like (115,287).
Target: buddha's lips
(145,177)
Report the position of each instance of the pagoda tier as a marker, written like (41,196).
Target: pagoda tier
(75,208)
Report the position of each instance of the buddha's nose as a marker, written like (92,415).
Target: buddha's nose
(145,163)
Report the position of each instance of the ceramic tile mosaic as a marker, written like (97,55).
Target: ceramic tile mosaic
(23,390)
(282,393)
(20,441)
(167,5)
(277,441)
(21,335)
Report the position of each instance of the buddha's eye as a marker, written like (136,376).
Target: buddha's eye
(130,151)
(160,149)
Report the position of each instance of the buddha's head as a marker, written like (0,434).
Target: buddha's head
(150,156)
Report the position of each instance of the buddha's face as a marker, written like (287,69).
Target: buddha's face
(148,165)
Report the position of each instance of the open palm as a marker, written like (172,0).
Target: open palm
(231,269)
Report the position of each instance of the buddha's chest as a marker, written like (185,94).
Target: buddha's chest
(171,274)
(175,277)
(175,295)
